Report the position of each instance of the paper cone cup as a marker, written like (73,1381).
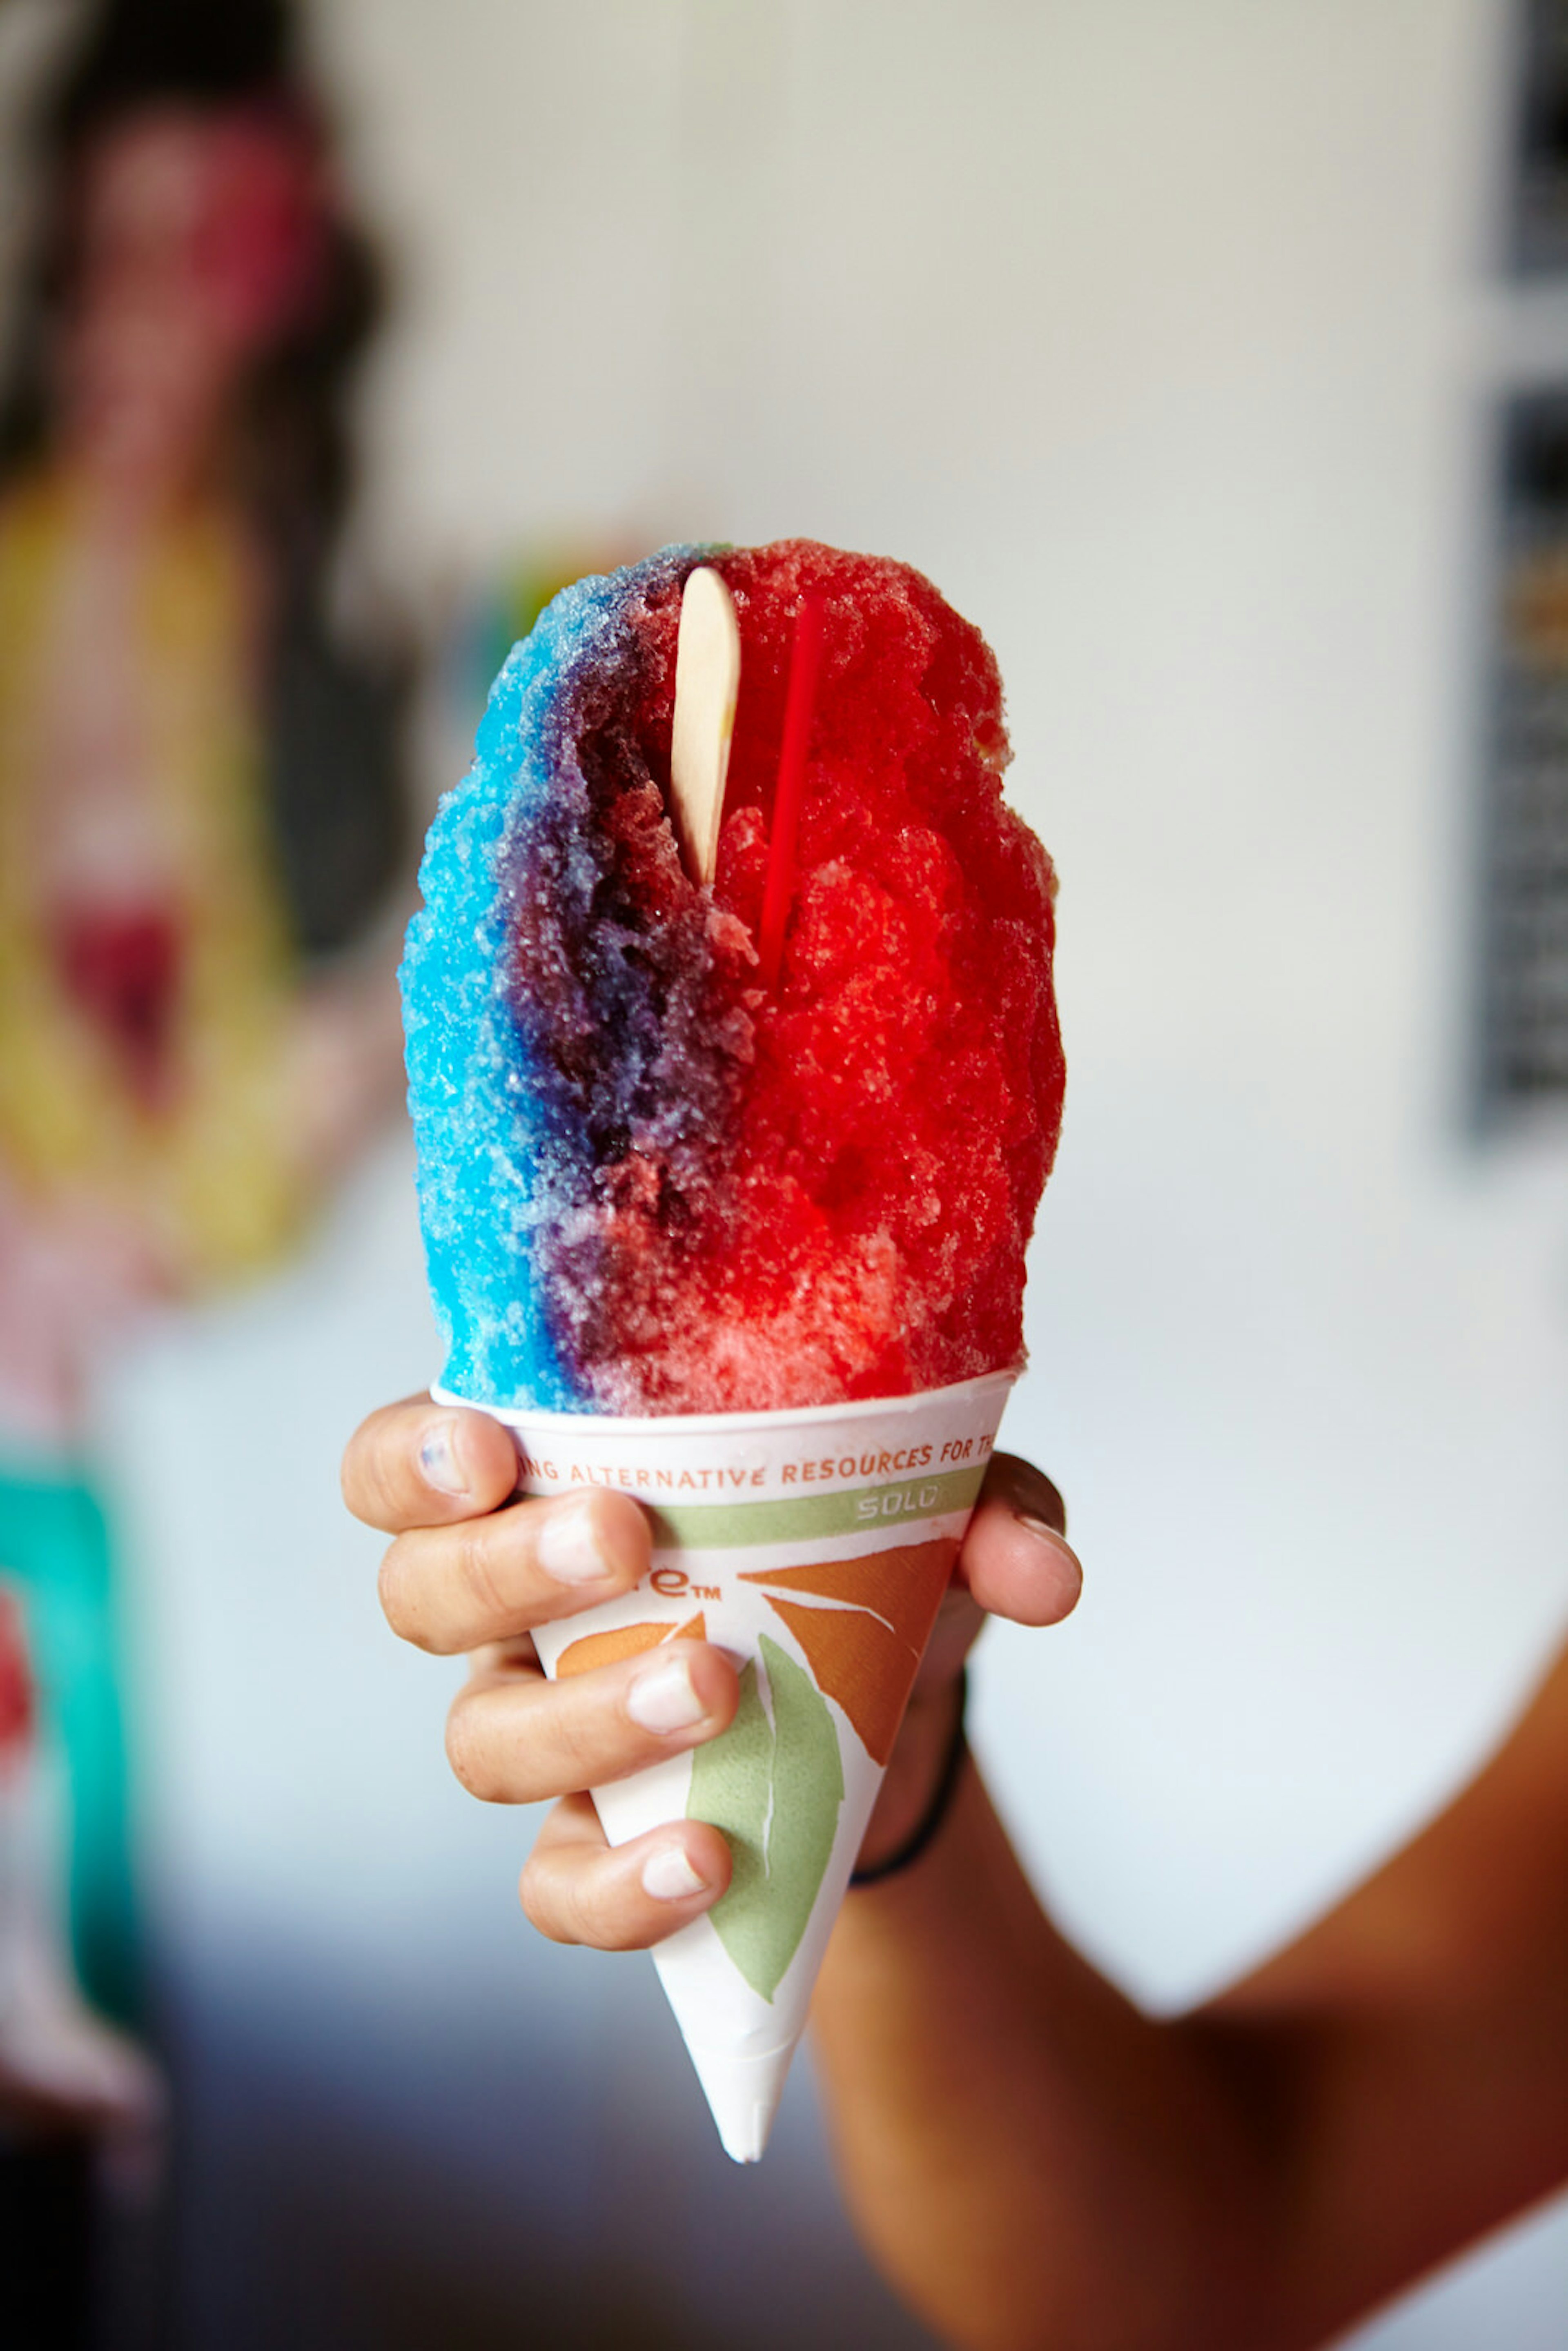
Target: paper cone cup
(815,1546)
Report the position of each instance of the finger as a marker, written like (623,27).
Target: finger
(1024,1489)
(576,1888)
(506,1657)
(452,1589)
(418,1464)
(1015,1561)
(959,1623)
(512,1738)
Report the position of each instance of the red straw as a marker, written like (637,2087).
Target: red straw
(777,896)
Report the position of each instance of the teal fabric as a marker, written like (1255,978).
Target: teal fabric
(55,1548)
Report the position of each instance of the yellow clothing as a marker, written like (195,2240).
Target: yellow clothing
(203,1168)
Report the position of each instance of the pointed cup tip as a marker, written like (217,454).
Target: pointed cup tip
(743,2094)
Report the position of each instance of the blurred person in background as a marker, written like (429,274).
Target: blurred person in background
(1032,2159)
(200,810)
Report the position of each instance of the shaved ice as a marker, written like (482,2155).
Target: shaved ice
(648,1185)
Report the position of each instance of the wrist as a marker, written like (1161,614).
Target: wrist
(920,1775)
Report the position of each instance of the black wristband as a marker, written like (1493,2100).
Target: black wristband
(935,1811)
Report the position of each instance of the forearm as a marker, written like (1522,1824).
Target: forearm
(1031,2160)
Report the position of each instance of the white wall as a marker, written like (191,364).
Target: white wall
(1156,334)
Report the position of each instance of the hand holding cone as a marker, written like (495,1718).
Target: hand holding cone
(735,1075)
(827,1592)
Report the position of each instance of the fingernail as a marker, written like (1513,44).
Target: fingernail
(668,1876)
(662,1698)
(1044,1532)
(438,1461)
(569,1549)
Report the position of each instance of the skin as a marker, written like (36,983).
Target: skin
(1033,2160)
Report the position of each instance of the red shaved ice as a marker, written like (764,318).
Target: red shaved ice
(699,1194)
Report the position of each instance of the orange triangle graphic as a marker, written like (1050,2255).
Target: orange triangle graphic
(625,1640)
(903,1585)
(859,1662)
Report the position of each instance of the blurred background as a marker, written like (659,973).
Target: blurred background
(1215,360)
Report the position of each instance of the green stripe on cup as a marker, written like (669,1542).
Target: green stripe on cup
(864,1509)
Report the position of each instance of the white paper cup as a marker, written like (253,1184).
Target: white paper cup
(815,1546)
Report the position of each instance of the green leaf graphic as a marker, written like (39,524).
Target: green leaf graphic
(732,1778)
(808,1790)
(775,1791)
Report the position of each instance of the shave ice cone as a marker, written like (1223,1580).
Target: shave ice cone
(735,1076)
(815,1547)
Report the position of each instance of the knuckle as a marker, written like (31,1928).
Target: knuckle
(477,1570)
(468,1749)
(536,1891)
(597,1916)
(395,1588)
(359,1475)
(579,1742)
(387,1477)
